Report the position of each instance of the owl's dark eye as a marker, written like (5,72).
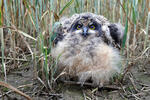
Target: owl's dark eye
(92,27)
(79,26)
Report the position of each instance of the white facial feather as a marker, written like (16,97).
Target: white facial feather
(91,31)
(78,31)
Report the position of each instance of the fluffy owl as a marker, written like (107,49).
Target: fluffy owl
(87,47)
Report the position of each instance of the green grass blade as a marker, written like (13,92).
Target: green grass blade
(1,9)
(147,28)
(6,12)
(46,64)
(125,31)
(76,8)
(66,6)
(2,49)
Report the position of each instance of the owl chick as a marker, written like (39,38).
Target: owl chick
(87,46)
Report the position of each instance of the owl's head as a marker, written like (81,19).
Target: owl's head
(86,26)
(89,24)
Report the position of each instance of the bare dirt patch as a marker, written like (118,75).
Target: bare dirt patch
(135,86)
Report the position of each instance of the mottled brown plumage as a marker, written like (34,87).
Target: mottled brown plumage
(93,55)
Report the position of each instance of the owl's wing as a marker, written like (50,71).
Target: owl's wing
(116,32)
(58,33)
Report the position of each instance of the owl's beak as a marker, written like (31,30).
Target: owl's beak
(85,32)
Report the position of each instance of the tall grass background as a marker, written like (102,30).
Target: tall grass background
(26,30)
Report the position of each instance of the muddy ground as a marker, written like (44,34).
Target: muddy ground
(135,86)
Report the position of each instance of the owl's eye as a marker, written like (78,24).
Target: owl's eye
(79,26)
(92,27)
